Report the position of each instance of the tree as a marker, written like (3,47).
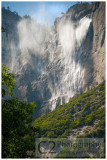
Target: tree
(8,81)
(3,29)
(18,133)
(27,16)
(8,8)
(17,130)
(47,111)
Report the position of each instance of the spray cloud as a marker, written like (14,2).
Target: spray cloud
(35,38)
(71,38)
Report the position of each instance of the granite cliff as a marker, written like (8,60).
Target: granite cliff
(60,61)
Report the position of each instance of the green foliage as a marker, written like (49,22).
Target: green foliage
(8,8)
(17,130)
(8,81)
(18,133)
(72,153)
(3,29)
(47,111)
(80,111)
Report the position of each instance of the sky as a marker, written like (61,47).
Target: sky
(42,12)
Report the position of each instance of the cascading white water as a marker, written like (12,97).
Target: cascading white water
(71,80)
(40,41)
(32,38)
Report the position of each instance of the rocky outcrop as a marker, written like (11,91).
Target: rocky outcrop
(45,83)
(9,22)
(98,48)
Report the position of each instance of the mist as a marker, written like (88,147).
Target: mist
(33,37)
(37,43)
(71,35)
(71,82)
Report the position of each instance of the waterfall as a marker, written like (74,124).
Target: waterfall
(72,78)
(38,45)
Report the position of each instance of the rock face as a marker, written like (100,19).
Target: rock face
(9,21)
(98,49)
(69,61)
